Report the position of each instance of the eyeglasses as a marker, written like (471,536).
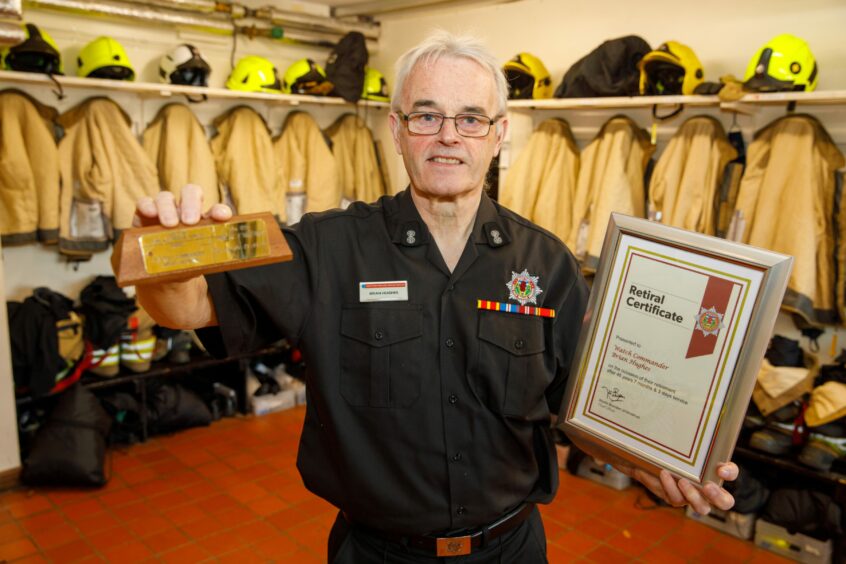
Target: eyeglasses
(430,123)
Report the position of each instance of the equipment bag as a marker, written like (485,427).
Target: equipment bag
(69,450)
(345,66)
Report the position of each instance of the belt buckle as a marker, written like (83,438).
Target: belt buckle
(453,546)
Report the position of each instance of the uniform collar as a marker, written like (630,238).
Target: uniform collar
(408,229)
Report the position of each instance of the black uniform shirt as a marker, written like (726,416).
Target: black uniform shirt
(428,414)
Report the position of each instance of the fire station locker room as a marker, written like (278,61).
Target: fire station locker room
(359,281)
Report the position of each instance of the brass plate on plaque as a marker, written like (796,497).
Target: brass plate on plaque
(167,251)
(153,254)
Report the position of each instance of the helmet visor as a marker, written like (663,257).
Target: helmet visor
(189,77)
(663,78)
(520,84)
(33,61)
(114,72)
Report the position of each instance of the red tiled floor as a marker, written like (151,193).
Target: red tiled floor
(231,492)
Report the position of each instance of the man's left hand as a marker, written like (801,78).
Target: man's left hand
(682,492)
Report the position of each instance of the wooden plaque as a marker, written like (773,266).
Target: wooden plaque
(152,254)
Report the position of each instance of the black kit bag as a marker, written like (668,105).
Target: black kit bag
(36,358)
(173,407)
(609,70)
(345,66)
(70,448)
(803,511)
(106,308)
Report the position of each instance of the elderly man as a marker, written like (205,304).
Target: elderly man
(428,417)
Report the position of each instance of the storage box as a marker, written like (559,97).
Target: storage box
(799,547)
(740,525)
(606,475)
(268,403)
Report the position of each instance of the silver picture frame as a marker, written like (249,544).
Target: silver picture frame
(661,379)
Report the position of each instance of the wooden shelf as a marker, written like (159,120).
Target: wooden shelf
(152,90)
(790,464)
(831,97)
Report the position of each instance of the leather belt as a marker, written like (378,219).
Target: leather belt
(456,545)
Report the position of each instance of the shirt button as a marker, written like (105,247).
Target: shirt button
(460,510)
(453,399)
(450,343)
(378,335)
(456,457)
(518,344)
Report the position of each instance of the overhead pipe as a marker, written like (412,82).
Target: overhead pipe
(377,7)
(151,14)
(10,9)
(11,34)
(202,22)
(298,37)
(235,11)
(268,14)
(315,23)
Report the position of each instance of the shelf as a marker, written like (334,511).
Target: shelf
(158,370)
(790,465)
(831,97)
(152,90)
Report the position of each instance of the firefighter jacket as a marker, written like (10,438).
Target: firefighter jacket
(29,170)
(686,180)
(306,167)
(355,155)
(610,180)
(786,202)
(104,172)
(177,143)
(541,183)
(246,167)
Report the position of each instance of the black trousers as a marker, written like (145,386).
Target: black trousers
(349,544)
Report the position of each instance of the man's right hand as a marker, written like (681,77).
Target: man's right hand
(183,304)
(165,210)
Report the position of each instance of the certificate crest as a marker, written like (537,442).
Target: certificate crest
(709,321)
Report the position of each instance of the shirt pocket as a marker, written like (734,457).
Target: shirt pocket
(511,375)
(381,354)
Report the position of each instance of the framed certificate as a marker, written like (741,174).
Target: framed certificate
(675,330)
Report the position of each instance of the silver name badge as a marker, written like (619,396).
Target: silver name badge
(390,291)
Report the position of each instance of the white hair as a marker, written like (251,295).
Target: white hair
(445,44)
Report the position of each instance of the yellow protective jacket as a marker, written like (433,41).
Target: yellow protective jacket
(29,170)
(686,180)
(307,167)
(610,180)
(786,199)
(246,166)
(355,155)
(541,183)
(177,143)
(104,172)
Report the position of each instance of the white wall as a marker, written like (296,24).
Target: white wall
(9,452)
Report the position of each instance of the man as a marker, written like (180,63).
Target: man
(427,421)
